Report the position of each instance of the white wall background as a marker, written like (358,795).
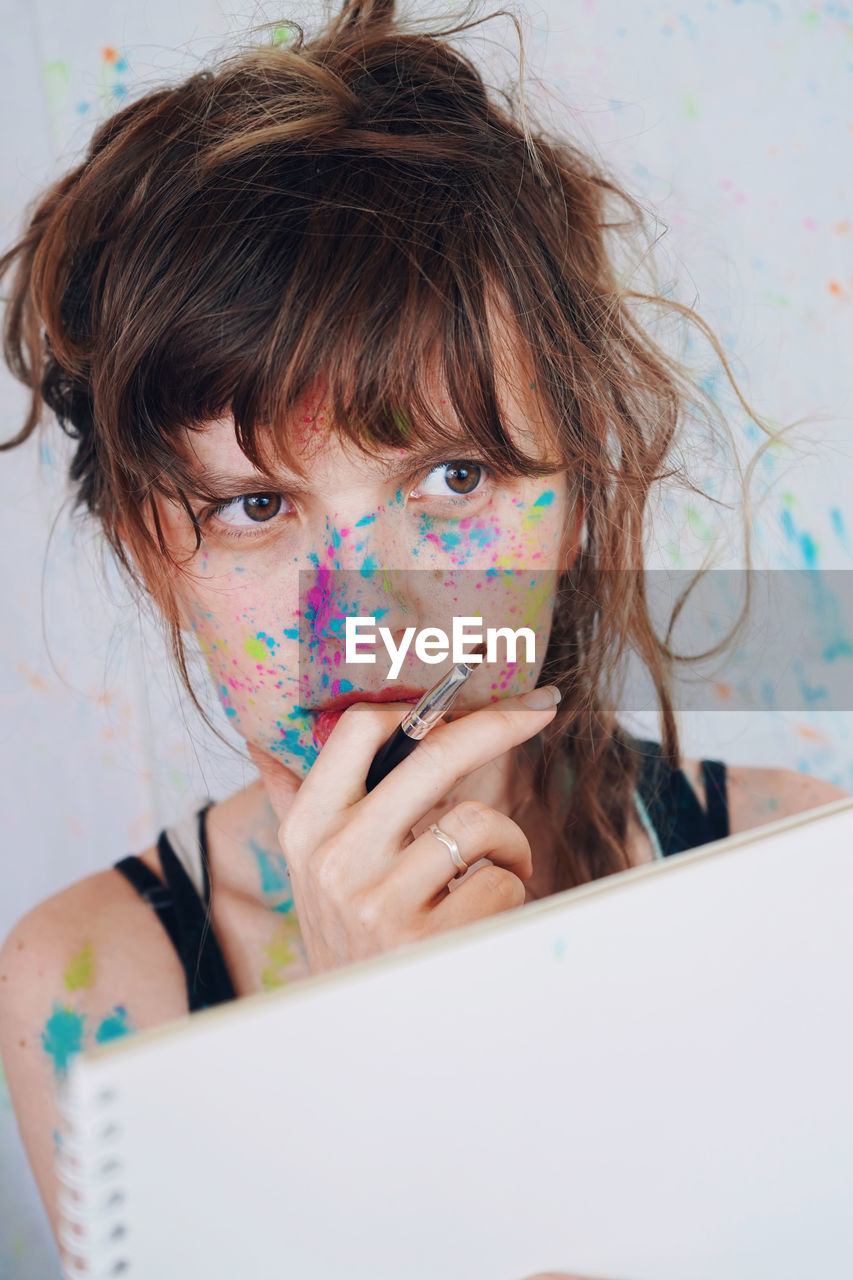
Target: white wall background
(732,118)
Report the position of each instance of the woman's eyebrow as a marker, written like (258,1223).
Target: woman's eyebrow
(234,482)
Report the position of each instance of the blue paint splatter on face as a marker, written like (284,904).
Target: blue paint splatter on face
(480,537)
(365,520)
(545,499)
(291,633)
(292,744)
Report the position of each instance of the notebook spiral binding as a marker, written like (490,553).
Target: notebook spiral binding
(91,1229)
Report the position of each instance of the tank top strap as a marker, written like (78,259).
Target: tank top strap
(672,805)
(153,891)
(182,907)
(714,778)
(208,980)
(188,839)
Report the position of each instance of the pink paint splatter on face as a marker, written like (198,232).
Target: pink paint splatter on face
(321,610)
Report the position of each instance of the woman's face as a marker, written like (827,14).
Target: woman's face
(410,540)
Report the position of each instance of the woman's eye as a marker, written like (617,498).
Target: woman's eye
(248,511)
(455,479)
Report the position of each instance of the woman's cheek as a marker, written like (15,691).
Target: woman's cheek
(511,532)
(522,601)
(254,669)
(537,528)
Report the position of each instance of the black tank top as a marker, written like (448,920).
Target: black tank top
(673,807)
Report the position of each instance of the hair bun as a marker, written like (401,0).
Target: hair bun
(366,13)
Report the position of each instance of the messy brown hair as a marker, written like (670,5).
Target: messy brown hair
(347,207)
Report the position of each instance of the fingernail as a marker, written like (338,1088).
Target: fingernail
(547,695)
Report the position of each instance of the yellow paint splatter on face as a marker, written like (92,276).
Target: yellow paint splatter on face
(256,649)
(81,970)
(537,599)
(538,509)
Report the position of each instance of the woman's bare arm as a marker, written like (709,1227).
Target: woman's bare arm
(84,966)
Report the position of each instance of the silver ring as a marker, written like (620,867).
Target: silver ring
(451,845)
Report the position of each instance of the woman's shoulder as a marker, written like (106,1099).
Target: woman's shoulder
(757,794)
(94,931)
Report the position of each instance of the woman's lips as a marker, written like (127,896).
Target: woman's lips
(325,720)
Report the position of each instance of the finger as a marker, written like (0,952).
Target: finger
(335,781)
(449,752)
(486,892)
(280,783)
(424,868)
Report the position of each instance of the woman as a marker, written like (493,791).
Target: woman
(336,332)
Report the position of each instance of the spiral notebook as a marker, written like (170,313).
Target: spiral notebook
(646,1078)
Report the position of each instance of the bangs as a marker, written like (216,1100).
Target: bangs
(287,275)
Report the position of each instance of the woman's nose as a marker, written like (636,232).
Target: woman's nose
(365,541)
(363,570)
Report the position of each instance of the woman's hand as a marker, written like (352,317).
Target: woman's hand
(361,884)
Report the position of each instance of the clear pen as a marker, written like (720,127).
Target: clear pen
(424,715)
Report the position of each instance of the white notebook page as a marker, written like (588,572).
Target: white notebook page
(649,1078)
